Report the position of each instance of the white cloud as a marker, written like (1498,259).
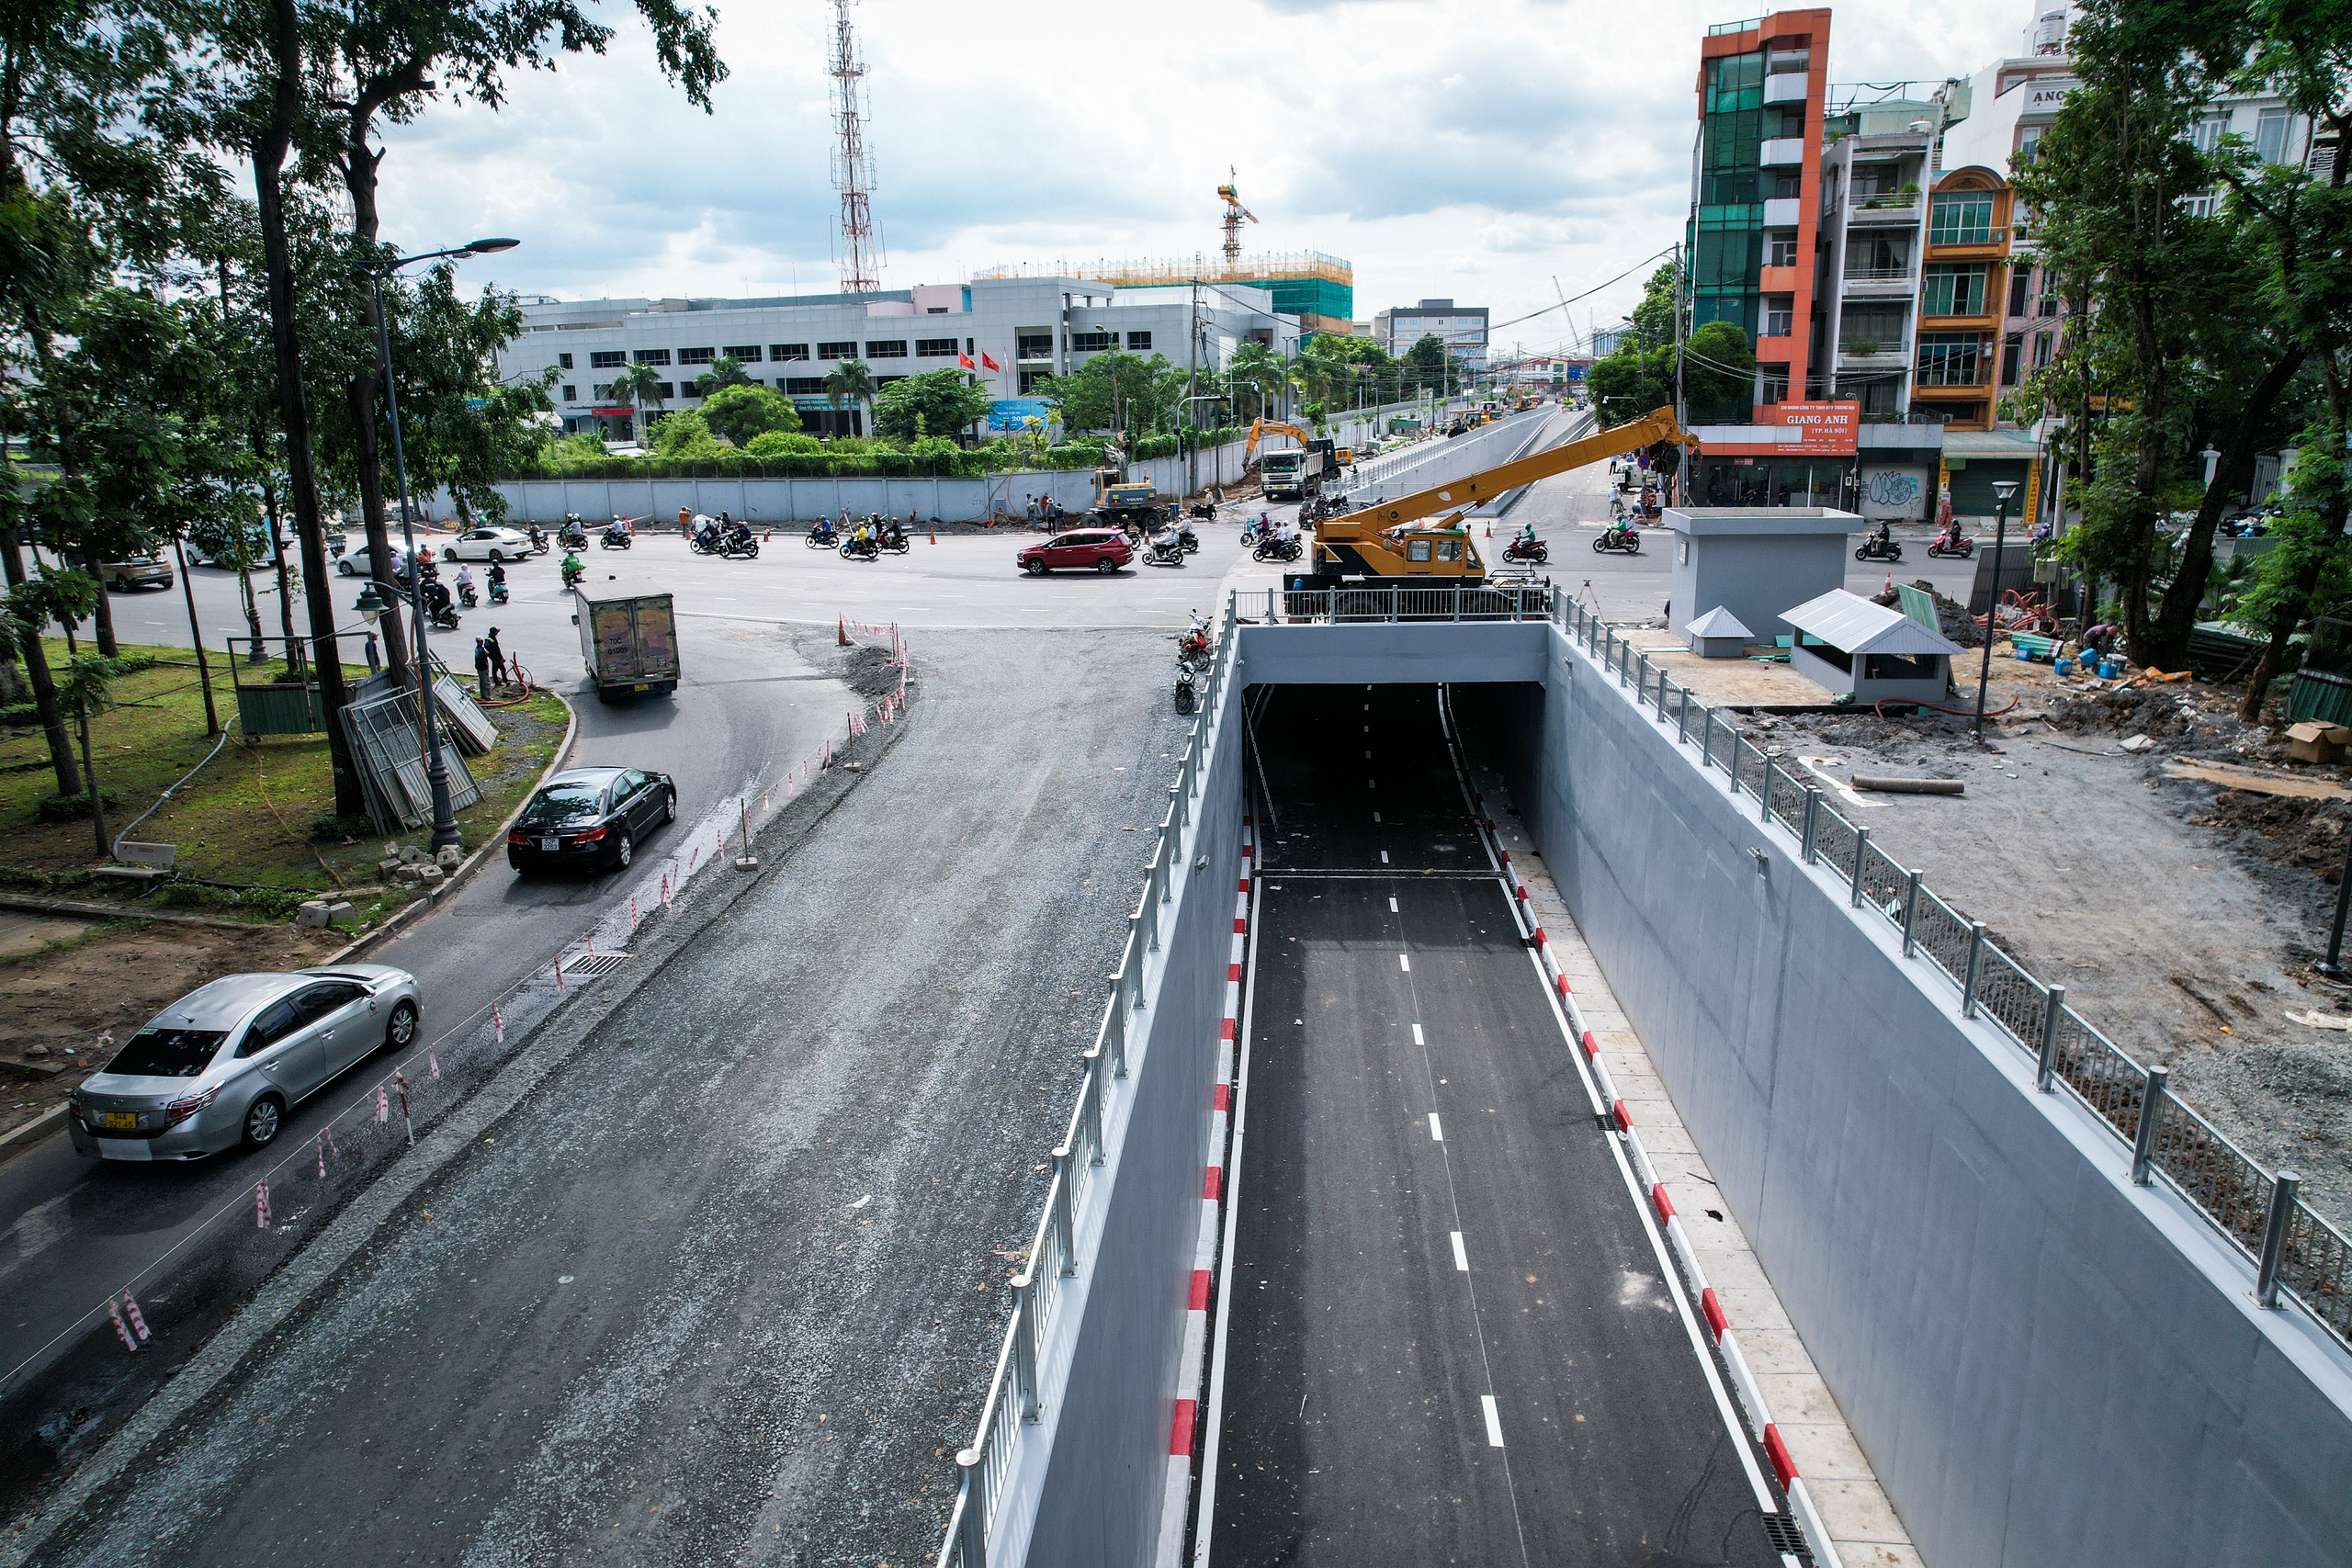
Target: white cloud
(1478,152)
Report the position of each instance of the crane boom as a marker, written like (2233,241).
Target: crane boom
(1370,543)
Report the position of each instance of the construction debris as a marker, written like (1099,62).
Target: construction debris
(1911,786)
(2261,782)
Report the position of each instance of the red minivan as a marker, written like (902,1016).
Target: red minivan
(1099,549)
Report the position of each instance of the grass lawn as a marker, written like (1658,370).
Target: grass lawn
(247,819)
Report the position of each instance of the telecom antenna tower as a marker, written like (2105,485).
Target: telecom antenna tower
(858,253)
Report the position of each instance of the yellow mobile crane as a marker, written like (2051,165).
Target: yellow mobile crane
(1425,534)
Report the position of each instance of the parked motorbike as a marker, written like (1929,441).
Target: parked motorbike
(739,544)
(1538,552)
(1194,647)
(1872,549)
(1274,547)
(1952,544)
(1202,510)
(1188,694)
(856,549)
(822,537)
(616,537)
(1622,539)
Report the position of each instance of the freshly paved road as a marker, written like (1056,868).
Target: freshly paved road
(726,1287)
(1451,1336)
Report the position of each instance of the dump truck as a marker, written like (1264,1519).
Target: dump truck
(628,639)
(1427,534)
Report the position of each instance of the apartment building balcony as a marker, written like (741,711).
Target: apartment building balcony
(1952,392)
(1780,279)
(1781,151)
(1884,210)
(1863,354)
(1780,212)
(1987,244)
(1879,283)
(1786,87)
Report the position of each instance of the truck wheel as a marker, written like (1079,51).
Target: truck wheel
(607,694)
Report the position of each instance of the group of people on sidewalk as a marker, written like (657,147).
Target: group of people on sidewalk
(490,663)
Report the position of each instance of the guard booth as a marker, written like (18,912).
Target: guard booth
(1753,561)
(1871,652)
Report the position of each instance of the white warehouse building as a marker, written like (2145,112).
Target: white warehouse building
(1028,328)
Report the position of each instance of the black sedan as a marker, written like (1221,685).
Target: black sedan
(589,817)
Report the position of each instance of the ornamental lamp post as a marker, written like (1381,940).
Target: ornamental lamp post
(436,770)
(2004,491)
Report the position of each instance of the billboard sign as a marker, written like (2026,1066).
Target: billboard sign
(1009,414)
(1825,430)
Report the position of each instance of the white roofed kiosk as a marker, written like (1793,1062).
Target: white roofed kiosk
(1872,653)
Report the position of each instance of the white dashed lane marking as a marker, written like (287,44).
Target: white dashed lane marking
(1437,1131)
(1494,1421)
(1460,1258)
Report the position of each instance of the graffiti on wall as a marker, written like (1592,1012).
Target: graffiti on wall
(1896,494)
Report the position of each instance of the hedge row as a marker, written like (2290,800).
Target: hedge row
(995,458)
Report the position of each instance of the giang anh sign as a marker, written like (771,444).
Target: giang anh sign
(1824,428)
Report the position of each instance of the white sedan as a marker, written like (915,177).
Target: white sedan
(488,543)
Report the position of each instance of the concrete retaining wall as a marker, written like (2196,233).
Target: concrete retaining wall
(2046,1364)
(1100,1492)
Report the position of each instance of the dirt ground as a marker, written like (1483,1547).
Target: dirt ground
(2182,917)
(64,1006)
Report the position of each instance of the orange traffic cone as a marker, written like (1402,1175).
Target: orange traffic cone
(1890,582)
(934,535)
(768,538)
(840,629)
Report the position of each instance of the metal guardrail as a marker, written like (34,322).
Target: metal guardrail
(1380,470)
(1013,1400)
(2294,1252)
(1387,602)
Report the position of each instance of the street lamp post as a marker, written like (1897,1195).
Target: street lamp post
(2004,491)
(436,770)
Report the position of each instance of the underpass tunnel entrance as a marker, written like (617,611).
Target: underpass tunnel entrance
(1453,1334)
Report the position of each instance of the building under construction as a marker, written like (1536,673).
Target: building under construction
(1319,289)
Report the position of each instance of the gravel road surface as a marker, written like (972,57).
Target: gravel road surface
(727,1286)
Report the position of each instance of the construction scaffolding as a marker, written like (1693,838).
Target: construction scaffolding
(1319,289)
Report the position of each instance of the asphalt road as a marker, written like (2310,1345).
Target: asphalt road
(1451,1338)
(728,1286)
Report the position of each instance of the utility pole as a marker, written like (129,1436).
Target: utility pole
(1191,386)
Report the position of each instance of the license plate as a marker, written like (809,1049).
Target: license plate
(125,1119)
(549,844)
(644,686)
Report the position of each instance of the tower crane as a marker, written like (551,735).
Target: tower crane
(1234,214)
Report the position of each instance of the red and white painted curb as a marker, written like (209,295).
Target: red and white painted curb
(1749,1391)
(1191,1366)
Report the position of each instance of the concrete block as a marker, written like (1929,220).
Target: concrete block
(430,875)
(449,857)
(313,914)
(338,913)
(412,855)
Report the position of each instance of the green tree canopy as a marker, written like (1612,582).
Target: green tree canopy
(725,371)
(938,402)
(740,413)
(1125,392)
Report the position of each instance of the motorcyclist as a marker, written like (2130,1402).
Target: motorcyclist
(497,582)
(466,584)
(1525,543)
(1878,540)
(573,569)
(1167,543)
(437,600)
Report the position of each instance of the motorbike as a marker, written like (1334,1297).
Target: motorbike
(855,549)
(1257,528)
(740,545)
(1186,538)
(1164,549)
(1194,648)
(498,591)
(1538,552)
(1622,539)
(1202,510)
(616,538)
(1188,694)
(1872,549)
(573,572)
(1952,545)
(894,540)
(574,534)
(467,596)
(1274,547)
(822,537)
(706,540)
(539,539)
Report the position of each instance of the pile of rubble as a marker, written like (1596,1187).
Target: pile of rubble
(405,865)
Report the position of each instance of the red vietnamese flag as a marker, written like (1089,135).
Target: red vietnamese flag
(965,361)
(989,363)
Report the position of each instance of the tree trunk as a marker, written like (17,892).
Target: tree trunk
(2274,653)
(2168,637)
(269,148)
(196,636)
(52,717)
(98,799)
(103,616)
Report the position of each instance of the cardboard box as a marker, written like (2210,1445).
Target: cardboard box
(2309,742)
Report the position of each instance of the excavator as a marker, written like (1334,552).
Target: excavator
(1426,534)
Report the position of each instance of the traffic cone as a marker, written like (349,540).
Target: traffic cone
(1890,582)
(768,538)
(840,630)
(934,535)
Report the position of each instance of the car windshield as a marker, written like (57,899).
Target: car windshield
(566,799)
(166,1052)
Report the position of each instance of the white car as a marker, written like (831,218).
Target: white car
(488,543)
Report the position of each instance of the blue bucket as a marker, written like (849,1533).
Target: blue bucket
(2065,667)
(2108,671)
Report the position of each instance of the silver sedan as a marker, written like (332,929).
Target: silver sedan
(219,1067)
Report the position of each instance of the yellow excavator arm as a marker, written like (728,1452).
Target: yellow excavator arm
(1264,427)
(1393,539)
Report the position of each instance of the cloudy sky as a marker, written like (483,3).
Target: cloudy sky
(1474,151)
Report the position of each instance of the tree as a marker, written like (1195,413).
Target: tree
(1120,393)
(1718,375)
(850,381)
(742,413)
(683,437)
(463,429)
(1255,371)
(1429,367)
(87,689)
(783,444)
(938,402)
(640,384)
(725,371)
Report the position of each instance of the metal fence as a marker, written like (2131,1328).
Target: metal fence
(2294,1252)
(1432,601)
(1013,1399)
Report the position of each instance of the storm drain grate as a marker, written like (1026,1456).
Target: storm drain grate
(1786,1538)
(595,964)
